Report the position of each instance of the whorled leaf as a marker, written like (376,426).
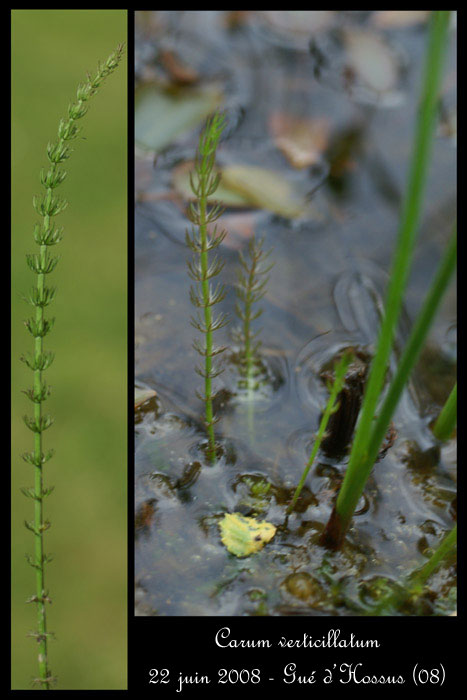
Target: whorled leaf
(181,182)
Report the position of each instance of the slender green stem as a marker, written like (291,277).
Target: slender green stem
(204,182)
(418,578)
(46,235)
(410,216)
(207,319)
(251,288)
(447,419)
(356,476)
(331,407)
(414,345)
(247,332)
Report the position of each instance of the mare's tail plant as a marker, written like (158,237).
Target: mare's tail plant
(42,263)
(251,288)
(204,182)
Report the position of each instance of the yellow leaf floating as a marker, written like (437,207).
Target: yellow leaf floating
(244,536)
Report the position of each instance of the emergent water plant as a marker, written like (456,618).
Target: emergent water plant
(252,279)
(332,407)
(204,182)
(412,588)
(371,428)
(446,421)
(46,235)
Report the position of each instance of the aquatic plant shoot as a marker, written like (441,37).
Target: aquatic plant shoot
(204,183)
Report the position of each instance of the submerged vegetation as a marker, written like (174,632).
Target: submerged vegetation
(46,235)
(364,389)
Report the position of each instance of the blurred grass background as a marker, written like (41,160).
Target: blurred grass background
(52,50)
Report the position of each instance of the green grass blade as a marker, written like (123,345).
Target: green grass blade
(355,480)
(413,347)
(447,419)
(331,407)
(418,578)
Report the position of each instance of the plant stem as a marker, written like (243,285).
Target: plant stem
(414,345)
(204,182)
(331,407)
(251,288)
(46,234)
(207,319)
(356,476)
(447,419)
(417,579)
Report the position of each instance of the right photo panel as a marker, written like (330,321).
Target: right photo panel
(295,314)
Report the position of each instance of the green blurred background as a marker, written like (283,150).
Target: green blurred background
(52,50)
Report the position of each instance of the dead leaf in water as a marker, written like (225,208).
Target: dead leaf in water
(180,73)
(163,115)
(302,141)
(372,60)
(249,186)
(143,395)
(302,23)
(240,228)
(393,19)
(265,189)
(244,536)
(181,183)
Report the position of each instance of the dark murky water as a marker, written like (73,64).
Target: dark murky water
(325,293)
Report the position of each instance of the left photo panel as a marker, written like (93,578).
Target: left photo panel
(69,316)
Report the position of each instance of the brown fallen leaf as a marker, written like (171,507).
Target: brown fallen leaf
(302,141)
(240,228)
(389,19)
(248,186)
(237,18)
(265,189)
(145,515)
(143,395)
(179,72)
(181,184)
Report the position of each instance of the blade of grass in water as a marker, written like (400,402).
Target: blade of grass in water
(355,479)
(419,577)
(331,407)
(357,472)
(447,419)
